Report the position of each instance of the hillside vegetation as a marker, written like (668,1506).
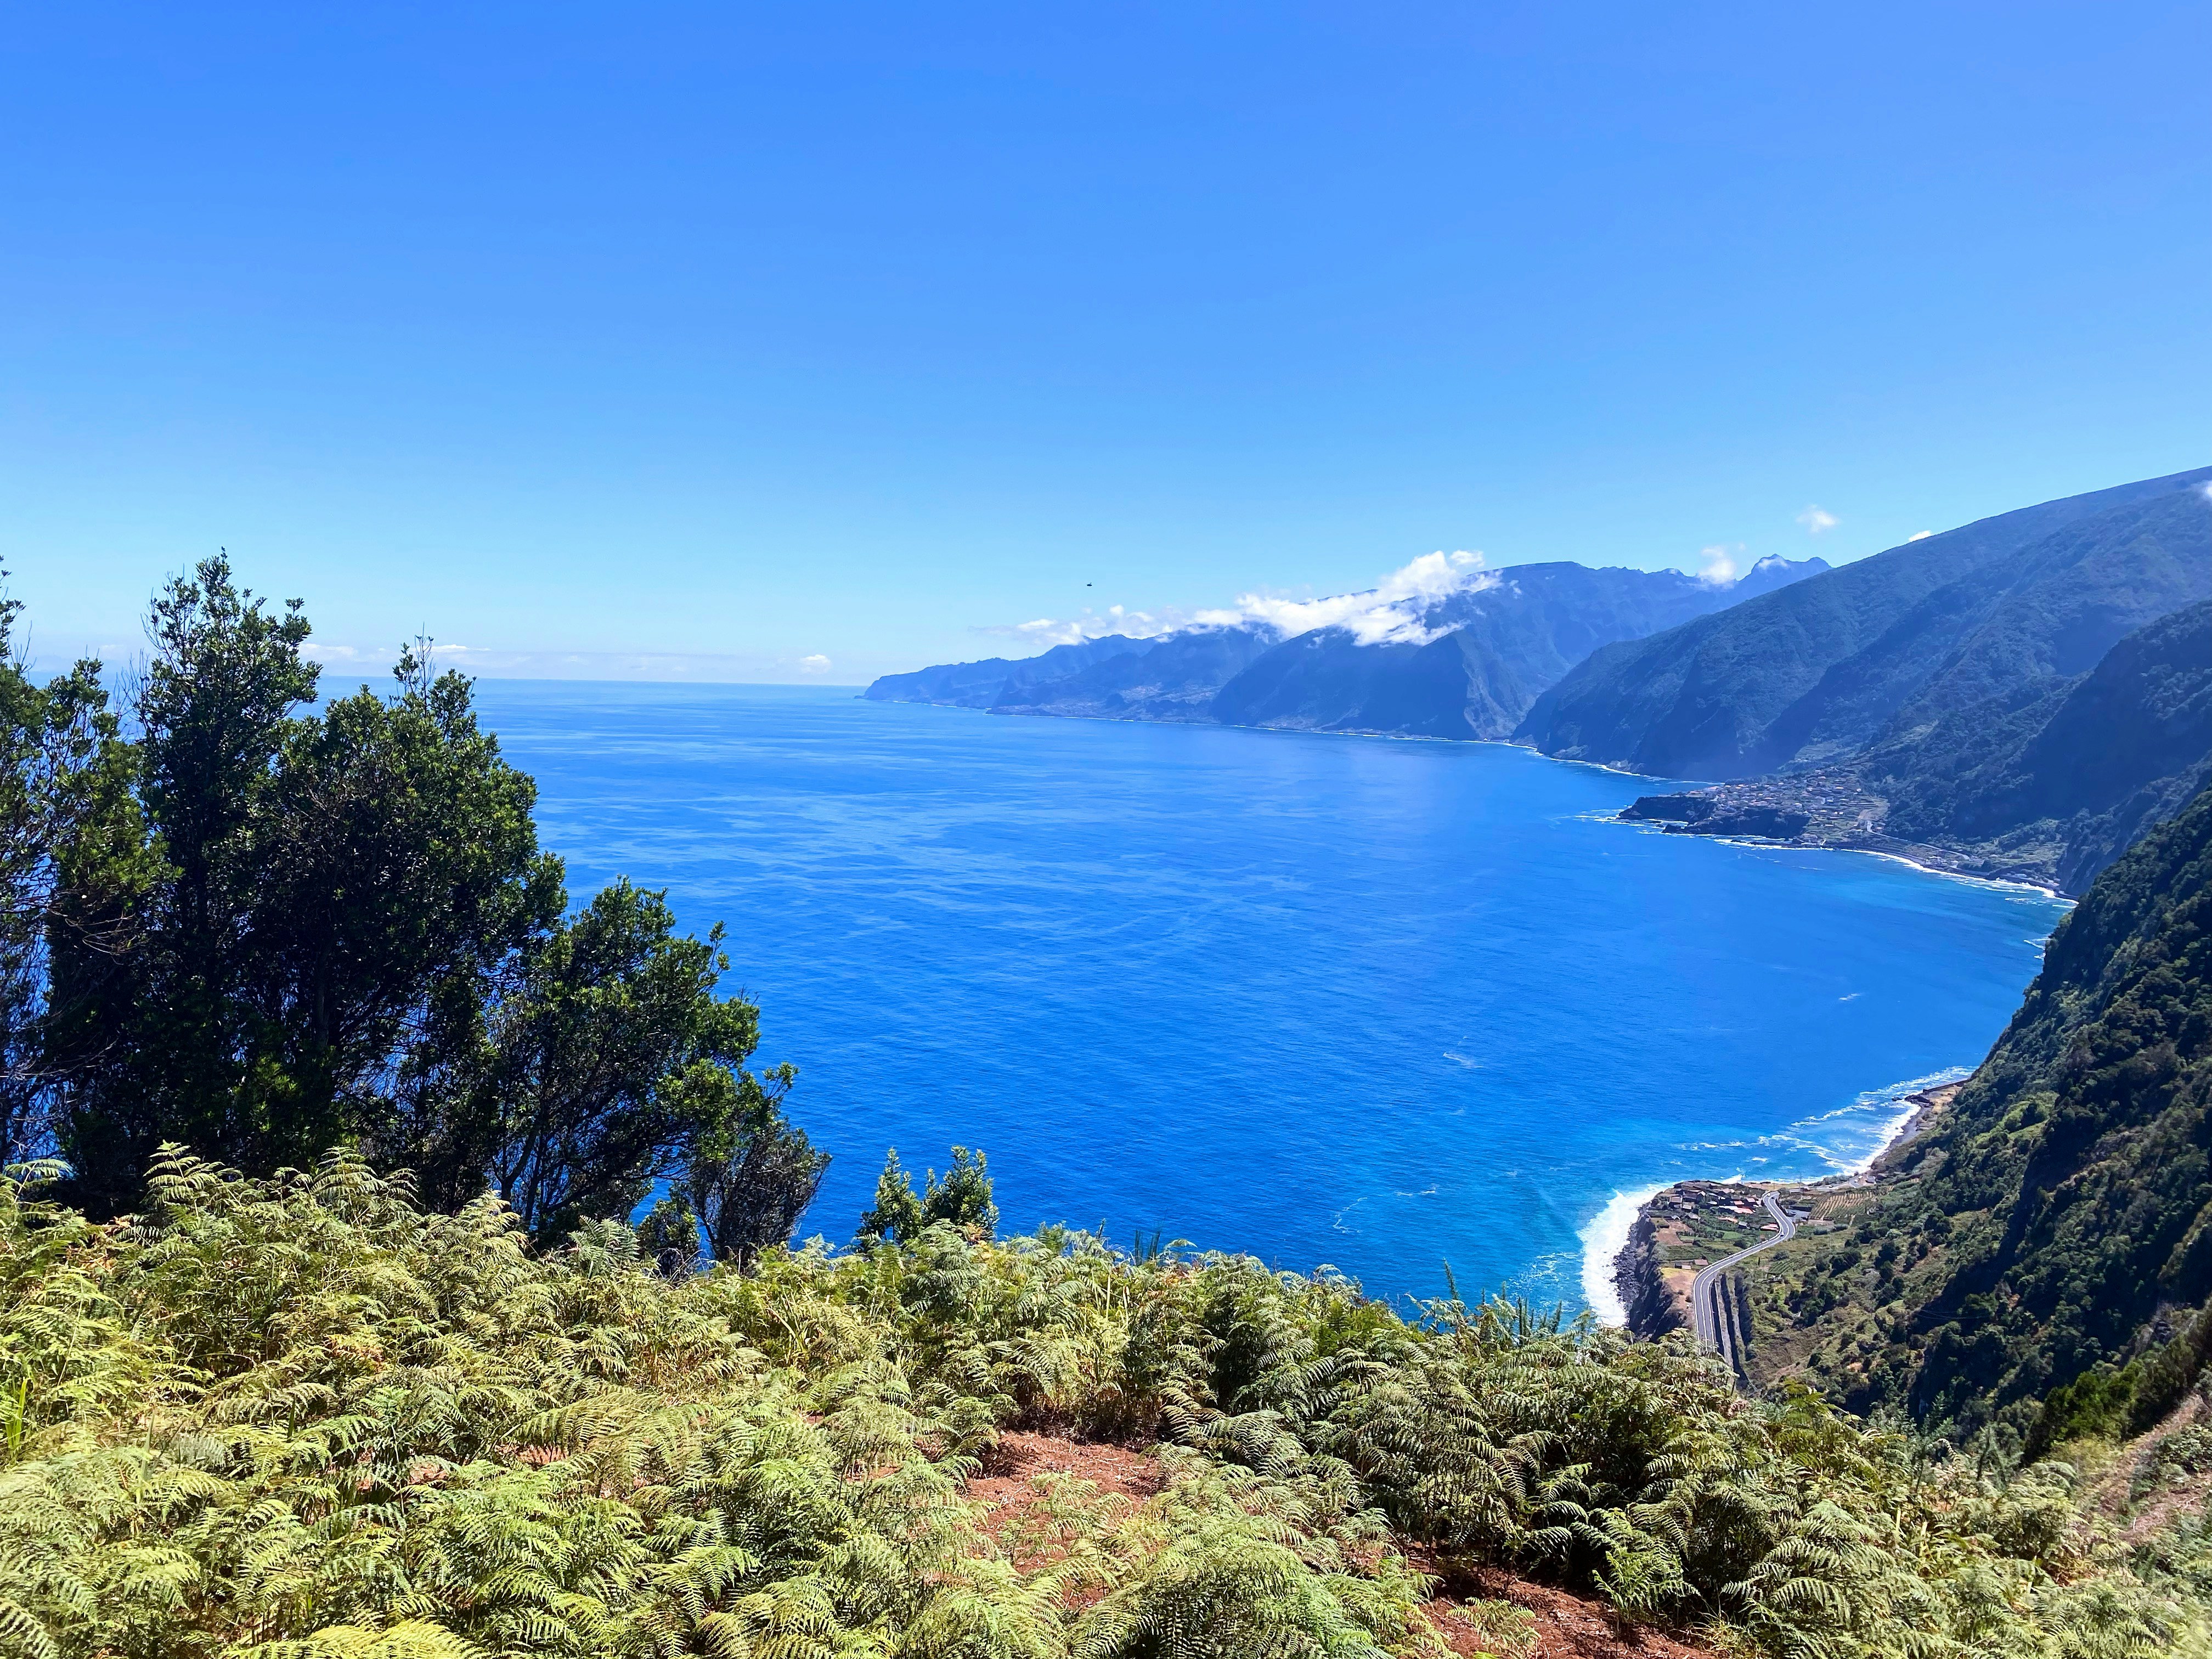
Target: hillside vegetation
(333,1322)
(1811,674)
(2040,1260)
(2060,775)
(302,1417)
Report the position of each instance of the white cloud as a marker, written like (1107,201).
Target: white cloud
(1390,613)
(1920,535)
(1094,625)
(816,664)
(1717,563)
(1818,519)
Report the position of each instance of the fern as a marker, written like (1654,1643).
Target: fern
(300,1419)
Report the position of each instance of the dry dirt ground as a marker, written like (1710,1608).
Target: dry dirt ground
(1016,1485)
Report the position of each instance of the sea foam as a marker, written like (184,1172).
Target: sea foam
(1604,1235)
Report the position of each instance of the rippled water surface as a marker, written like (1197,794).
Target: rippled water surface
(1377,1004)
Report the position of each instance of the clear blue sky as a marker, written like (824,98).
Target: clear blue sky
(737,334)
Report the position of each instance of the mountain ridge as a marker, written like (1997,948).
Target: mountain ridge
(1466,664)
(1813,672)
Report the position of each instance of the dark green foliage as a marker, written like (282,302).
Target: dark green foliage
(2087,762)
(896,1214)
(262,929)
(319,894)
(2166,1374)
(607,1062)
(749,1194)
(1827,666)
(961,1201)
(2064,1201)
(668,1237)
(65,805)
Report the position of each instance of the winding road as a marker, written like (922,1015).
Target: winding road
(1715,1331)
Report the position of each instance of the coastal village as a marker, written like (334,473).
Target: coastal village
(1832,808)
(1687,1228)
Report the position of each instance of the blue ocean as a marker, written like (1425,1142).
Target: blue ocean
(1390,1006)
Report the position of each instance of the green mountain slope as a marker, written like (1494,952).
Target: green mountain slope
(2079,766)
(1812,673)
(1494,650)
(1477,660)
(2058,1218)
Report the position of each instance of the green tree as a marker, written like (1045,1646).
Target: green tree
(897,1214)
(64,800)
(329,895)
(668,1237)
(962,1200)
(606,1063)
(750,1190)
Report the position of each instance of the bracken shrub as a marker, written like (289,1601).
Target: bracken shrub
(301,1417)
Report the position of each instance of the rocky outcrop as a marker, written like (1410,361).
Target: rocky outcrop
(1654,1307)
(1716,812)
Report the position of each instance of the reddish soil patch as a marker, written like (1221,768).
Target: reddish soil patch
(1019,1458)
(1567,1627)
(1017,1508)
(1017,1516)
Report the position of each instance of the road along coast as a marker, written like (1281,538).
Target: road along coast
(1690,1244)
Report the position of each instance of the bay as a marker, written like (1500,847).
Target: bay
(1384,1005)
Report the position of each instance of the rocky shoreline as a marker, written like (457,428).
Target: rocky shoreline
(1679,1228)
(1831,810)
(1654,1309)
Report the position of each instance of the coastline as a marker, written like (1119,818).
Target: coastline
(1620,1267)
(2003,883)
(1605,1237)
